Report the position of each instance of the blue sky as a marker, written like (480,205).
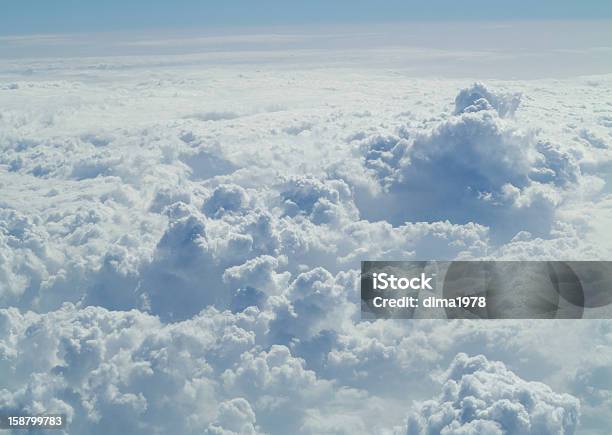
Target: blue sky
(61,16)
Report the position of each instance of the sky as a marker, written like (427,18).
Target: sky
(61,16)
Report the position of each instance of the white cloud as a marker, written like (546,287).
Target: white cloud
(477,97)
(235,416)
(485,167)
(479,396)
(260,273)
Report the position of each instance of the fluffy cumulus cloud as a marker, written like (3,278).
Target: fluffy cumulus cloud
(486,167)
(478,97)
(128,372)
(179,247)
(235,417)
(118,371)
(483,397)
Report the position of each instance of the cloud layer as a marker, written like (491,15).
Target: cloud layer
(182,245)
